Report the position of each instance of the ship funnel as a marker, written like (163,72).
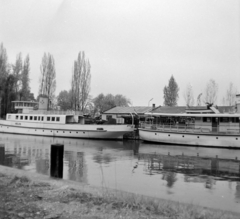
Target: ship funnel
(43,103)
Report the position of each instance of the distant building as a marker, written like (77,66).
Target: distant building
(127,115)
(136,114)
(193,109)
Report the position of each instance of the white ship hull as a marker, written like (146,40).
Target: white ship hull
(196,139)
(92,131)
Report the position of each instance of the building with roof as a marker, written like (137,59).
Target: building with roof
(127,115)
(136,114)
(193,109)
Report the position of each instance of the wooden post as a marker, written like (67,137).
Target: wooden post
(2,154)
(56,167)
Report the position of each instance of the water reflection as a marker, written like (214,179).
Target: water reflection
(171,172)
(76,166)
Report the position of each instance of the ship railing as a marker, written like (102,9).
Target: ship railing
(190,128)
(57,112)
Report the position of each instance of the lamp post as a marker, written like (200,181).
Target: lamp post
(149,101)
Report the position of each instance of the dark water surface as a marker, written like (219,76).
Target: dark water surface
(203,176)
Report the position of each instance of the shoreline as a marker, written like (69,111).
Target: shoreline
(58,198)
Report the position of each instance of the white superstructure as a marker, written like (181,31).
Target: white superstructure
(200,129)
(56,124)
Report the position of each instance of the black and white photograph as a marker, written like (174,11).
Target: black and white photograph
(120,109)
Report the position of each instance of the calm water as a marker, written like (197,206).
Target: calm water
(186,174)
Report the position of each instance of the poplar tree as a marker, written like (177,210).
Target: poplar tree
(4,71)
(17,73)
(170,93)
(80,85)
(48,78)
(25,89)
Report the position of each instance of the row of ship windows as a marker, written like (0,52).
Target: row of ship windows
(52,131)
(184,136)
(36,118)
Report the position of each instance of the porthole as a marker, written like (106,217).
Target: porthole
(183,136)
(169,135)
(236,138)
(70,132)
(76,132)
(155,133)
(216,137)
(63,132)
(197,136)
(83,132)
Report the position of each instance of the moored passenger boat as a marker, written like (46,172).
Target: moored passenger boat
(194,127)
(58,124)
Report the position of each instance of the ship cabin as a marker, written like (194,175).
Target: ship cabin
(207,119)
(19,106)
(54,118)
(36,112)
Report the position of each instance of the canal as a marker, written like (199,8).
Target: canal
(203,176)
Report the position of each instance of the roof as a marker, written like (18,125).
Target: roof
(226,109)
(169,109)
(128,110)
(194,115)
(184,109)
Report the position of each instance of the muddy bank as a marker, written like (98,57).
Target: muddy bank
(33,196)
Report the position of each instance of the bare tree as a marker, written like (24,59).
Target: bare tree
(199,102)
(188,95)
(48,77)
(81,80)
(210,94)
(223,101)
(231,95)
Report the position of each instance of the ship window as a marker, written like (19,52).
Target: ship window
(48,118)
(58,119)
(42,118)
(35,117)
(26,117)
(53,119)
(31,118)
(224,119)
(21,117)
(9,116)
(17,117)
(207,119)
(235,119)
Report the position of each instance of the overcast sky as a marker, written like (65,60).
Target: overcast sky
(134,46)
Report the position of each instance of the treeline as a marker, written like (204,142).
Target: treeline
(208,96)
(14,85)
(14,81)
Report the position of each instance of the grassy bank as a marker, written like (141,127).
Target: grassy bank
(30,195)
